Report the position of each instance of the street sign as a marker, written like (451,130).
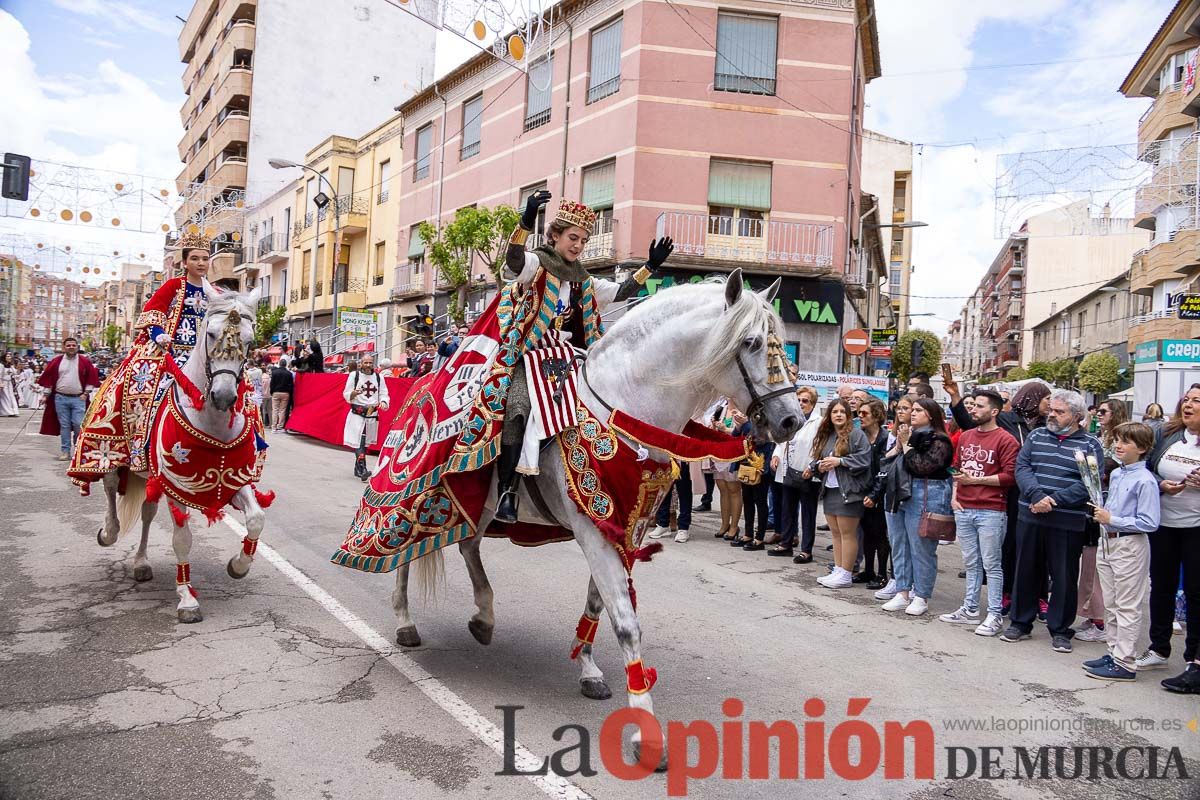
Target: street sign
(1189,307)
(856,342)
(884,337)
(880,352)
(882,365)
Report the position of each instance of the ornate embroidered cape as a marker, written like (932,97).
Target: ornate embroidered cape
(117,424)
(196,470)
(430,486)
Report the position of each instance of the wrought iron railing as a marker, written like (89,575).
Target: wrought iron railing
(294,296)
(320,288)
(745,84)
(603,242)
(604,89)
(775,241)
(272,243)
(308,219)
(383,196)
(537,119)
(469,150)
(304,292)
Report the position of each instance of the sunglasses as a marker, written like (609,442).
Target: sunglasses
(1102,411)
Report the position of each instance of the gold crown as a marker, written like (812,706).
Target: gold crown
(577,214)
(193,237)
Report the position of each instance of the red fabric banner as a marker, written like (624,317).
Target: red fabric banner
(320,411)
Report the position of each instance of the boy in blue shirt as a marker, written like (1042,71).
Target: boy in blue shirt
(1123,561)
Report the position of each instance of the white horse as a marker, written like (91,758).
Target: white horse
(215,367)
(663,362)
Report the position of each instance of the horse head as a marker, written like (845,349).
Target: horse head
(227,335)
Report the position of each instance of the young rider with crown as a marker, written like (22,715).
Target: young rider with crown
(117,424)
(575,314)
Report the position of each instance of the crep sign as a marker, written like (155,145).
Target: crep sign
(800,300)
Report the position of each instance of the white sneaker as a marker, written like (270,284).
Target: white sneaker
(990,626)
(824,579)
(898,603)
(887,592)
(917,607)
(1150,660)
(1090,633)
(838,579)
(682,536)
(659,532)
(1176,628)
(963,616)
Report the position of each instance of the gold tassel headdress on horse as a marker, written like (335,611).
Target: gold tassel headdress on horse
(776,360)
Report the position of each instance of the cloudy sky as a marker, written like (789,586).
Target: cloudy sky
(97,83)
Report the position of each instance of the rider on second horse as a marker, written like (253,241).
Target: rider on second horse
(115,429)
(576,313)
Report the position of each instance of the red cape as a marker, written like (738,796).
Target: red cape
(89,378)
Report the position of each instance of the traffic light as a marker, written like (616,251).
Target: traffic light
(424,320)
(918,352)
(16,177)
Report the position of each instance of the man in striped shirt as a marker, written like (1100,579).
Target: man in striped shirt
(1052,515)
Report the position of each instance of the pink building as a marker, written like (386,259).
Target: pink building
(733,130)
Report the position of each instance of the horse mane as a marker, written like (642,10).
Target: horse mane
(749,316)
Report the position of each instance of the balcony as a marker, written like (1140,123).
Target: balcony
(351,212)
(273,248)
(805,246)
(1167,111)
(230,171)
(603,244)
(1164,261)
(1148,327)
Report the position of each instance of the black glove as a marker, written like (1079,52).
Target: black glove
(532,206)
(660,251)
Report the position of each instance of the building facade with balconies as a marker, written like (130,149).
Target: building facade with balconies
(887,174)
(1098,321)
(1166,202)
(694,131)
(263,79)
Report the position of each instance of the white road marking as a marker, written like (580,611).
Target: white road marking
(431,687)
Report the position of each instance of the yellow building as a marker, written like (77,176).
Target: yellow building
(355,229)
(1166,203)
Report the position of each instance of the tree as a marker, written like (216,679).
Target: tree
(931,358)
(1040,369)
(266,322)
(1063,372)
(1017,374)
(1099,372)
(111,336)
(473,231)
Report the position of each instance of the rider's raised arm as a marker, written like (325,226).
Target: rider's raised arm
(154,313)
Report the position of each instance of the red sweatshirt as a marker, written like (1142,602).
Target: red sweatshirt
(982,455)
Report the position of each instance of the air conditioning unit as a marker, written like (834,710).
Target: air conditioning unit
(1075,344)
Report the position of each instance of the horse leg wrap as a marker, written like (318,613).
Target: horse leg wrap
(183,573)
(249,547)
(638,678)
(585,633)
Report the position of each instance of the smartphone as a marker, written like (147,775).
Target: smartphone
(954,470)
(947,374)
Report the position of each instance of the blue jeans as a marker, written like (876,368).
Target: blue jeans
(981,535)
(683,488)
(919,557)
(70,418)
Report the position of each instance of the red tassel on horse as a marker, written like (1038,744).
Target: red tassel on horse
(154,489)
(194,396)
(179,515)
(647,552)
(264,498)
(213,514)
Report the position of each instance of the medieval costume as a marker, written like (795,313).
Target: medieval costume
(366,392)
(26,389)
(118,422)
(8,390)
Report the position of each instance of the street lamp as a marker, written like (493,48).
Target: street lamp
(283,163)
(913,224)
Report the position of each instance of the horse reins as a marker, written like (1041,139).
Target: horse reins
(756,409)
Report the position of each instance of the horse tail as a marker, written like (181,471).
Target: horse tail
(129,505)
(431,571)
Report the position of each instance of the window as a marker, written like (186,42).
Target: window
(416,249)
(605,73)
(1112,309)
(472,122)
(380,253)
(424,145)
(320,286)
(537,94)
(599,187)
(385,175)
(540,225)
(739,195)
(1173,71)
(746,53)
(345,181)
(1082,322)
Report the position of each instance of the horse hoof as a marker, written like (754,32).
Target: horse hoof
(232,574)
(100,539)
(408,637)
(662,761)
(594,689)
(189,615)
(143,573)
(481,632)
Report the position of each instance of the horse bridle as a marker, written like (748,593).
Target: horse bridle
(756,410)
(224,343)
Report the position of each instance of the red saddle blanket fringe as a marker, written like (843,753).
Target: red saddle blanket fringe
(696,443)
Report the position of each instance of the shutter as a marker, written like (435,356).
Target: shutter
(472,121)
(606,61)
(539,88)
(416,246)
(738,184)
(746,52)
(599,185)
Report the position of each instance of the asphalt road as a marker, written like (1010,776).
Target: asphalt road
(288,688)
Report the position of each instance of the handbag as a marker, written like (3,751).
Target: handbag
(940,527)
(793,478)
(751,472)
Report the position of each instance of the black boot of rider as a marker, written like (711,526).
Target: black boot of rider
(508,481)
(360,468)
